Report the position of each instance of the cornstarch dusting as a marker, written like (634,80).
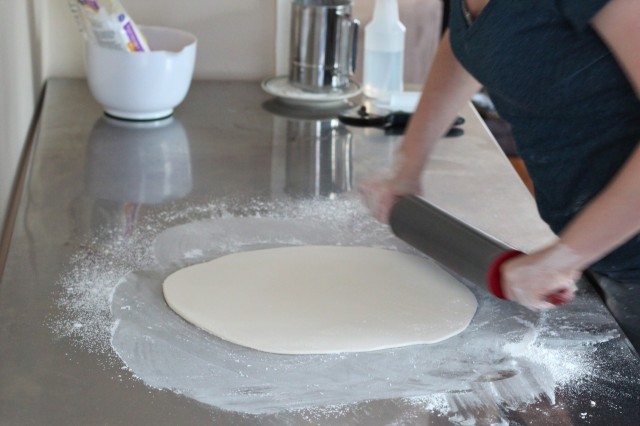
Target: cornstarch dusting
(111,303)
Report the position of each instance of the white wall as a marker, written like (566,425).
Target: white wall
(20,83)
(235,37)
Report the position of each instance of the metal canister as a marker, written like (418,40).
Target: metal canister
(323,45)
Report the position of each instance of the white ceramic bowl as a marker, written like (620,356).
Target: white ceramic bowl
(143,85)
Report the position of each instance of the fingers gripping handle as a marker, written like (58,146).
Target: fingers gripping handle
(494,280)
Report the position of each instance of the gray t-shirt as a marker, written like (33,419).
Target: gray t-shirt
(573,112)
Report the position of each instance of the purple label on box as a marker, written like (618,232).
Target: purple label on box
(133,37)
(91,3)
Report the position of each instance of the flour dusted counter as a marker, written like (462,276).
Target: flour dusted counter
(109,209)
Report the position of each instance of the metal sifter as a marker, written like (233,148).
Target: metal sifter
(323,45)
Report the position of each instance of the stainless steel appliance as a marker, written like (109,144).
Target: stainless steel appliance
(323,45)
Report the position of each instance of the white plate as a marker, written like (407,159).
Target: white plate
(281,88)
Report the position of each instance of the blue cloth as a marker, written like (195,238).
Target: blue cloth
(573,112)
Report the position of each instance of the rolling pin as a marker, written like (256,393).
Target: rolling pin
(455,245)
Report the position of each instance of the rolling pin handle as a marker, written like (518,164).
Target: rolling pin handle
(494,281)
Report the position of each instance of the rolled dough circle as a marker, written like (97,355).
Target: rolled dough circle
(321,299)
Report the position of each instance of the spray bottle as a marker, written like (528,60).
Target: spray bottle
(383,52)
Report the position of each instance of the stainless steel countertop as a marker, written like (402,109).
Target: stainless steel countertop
(90,178)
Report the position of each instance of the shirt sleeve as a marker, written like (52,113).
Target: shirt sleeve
(580,12)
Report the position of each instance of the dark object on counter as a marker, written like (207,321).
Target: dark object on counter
(393,123)
(455,245)
(622,299)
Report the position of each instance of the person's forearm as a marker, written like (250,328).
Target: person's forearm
(448,87)
(609,220)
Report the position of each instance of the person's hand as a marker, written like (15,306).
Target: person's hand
(531,279)
(379,195)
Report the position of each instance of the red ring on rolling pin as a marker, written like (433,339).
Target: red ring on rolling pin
(494,281)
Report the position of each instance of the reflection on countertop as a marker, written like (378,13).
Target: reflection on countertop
(131,163)
(316,149)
